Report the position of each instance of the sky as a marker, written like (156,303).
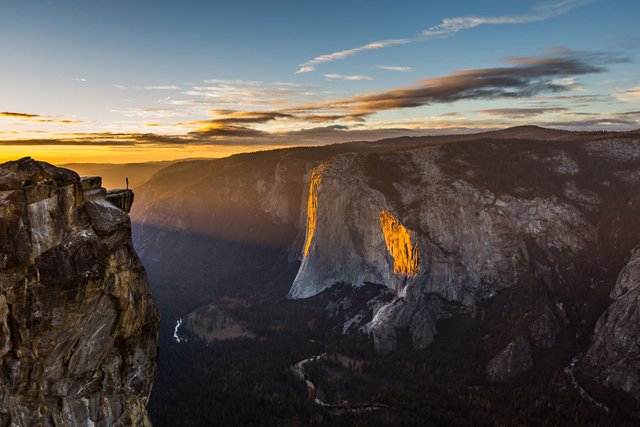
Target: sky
(137,80)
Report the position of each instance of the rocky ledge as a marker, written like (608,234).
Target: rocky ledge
(78,325)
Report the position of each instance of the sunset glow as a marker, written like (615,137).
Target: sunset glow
(109,89)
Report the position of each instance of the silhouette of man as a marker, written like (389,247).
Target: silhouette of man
(127,181)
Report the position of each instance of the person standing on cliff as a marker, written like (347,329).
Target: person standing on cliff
(127,181)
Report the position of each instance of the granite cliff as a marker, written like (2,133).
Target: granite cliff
(428,236)
(447,234)
(521,233)
(614,354)
(78,325)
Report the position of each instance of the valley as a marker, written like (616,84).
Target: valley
(234,232)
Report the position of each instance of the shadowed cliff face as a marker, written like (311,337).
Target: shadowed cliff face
(78,325)
(615,347)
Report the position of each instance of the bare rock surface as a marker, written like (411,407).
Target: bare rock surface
(78,325)
(511,362)
(455,241)
(614,355)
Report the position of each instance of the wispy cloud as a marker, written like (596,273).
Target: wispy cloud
(396,68)
(241,94)
(163,87)
(150,112)
(540,12)
(79,79)
(118,86)
(36,118)
(310,65)
(628,95)
(450,26)
(350,78)
(234,82)
(522,112)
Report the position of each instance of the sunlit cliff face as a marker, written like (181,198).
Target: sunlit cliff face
(312,206)
(404,250)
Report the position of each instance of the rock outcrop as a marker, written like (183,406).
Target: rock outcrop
(511,362)
(544,330)
(433,239)
(613,358)
(78,325)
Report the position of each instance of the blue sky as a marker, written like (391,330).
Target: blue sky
(250,73)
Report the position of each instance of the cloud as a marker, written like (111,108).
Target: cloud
(629,95)
(117,86)
(79,79)
(521,78)
(529,76)
(241,95)
(450,26)
(521,112)
(311,64)
(214,130)
(231,116)
(396,68)
(150,112)
(163,87)
(102,139)
(36,118)
(609,122)
(234,82)
(540,12)
(324,118)
(230,123)
(18,115)
(350,78)
(544,81)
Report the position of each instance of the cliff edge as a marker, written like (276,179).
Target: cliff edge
(78,324)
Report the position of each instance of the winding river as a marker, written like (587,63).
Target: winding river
(319,399)
(570,370)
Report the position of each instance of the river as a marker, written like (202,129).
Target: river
(319,398)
